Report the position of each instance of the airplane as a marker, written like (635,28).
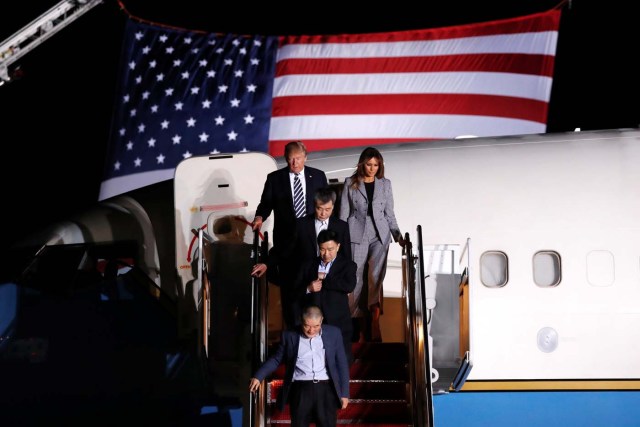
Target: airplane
(525,253)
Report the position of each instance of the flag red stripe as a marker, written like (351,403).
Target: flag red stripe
(539,22)
(506,63)
(452,104)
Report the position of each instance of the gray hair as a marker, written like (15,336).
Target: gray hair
(312,312)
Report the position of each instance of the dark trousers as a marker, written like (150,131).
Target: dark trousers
(290,314)
(346,338)
(313,402)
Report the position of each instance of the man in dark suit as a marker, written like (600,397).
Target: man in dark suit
(278,197)
(287,259)
(326,281)
(316,380)
(278,193)
(308,227)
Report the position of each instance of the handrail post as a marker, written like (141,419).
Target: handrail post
(259,329)
(426,385)
(408,276)
(420,395)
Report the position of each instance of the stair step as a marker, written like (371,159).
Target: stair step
(351,423)
(378,370)
(358,389)
(358,412)
(366,424)
(376,390)
(380,351)
(366,370)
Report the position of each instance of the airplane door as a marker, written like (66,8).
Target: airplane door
(206,187)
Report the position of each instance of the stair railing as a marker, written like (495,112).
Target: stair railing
(204,297)
(416,333)
(408,278)
(259,330)
(259,317)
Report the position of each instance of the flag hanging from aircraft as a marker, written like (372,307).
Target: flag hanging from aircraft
(183,93)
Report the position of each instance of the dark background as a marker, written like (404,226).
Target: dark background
(55,118)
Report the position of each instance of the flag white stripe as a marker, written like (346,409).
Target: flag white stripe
(396,126)
(504,84)
(538,43)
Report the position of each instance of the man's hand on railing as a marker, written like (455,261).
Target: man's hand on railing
(259,270)
(254,385)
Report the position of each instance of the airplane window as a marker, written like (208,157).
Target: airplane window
(600,268)
(546,269)
(494,269)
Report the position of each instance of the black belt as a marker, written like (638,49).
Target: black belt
(311,381)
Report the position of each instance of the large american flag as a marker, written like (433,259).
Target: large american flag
(184,93)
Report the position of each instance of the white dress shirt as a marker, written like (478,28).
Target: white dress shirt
(303,182)
(310,364)
(321,225)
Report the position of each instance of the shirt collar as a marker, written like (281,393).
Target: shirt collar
(327,265)
(303,336)
(301,173)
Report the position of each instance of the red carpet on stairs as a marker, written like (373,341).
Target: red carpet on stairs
(379,389)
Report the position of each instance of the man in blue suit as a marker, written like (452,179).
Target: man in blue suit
(316,381)
(278,197)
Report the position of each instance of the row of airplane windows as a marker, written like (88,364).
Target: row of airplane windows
(546,268)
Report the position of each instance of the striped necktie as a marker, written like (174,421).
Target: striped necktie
(298,197)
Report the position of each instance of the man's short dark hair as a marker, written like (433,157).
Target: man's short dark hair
(327,235)
(325,195)
(294,146)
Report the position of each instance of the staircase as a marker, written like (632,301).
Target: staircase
(378,386)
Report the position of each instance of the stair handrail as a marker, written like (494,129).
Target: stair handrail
(420,399)
(204,295)
(259,330)
(259,316)
(425,384)
(408,279)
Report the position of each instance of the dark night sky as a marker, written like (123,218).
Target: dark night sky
(56,118)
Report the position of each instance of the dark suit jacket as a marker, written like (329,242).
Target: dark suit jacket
(277,198)
(333,299)
(306,244)
(287,353)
